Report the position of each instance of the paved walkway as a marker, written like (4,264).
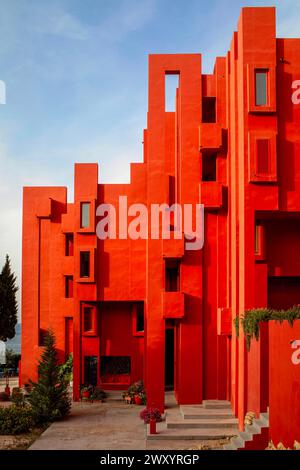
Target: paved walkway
(106,426)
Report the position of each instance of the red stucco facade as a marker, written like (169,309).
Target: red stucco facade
(224,148)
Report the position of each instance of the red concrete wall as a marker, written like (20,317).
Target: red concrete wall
(284,383)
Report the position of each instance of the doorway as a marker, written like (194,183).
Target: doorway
(169,358)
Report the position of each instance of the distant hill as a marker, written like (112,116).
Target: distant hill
(15,343)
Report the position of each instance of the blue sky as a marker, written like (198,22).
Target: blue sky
(76,78)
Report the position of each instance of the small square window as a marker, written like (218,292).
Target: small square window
(85,209)
(84,264)
(261,87)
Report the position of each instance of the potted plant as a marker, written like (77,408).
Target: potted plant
(151,416)
(85,392)
(138,399)
(97,394)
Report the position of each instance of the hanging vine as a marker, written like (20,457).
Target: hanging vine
(251,320)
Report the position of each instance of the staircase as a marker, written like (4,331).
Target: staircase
(213,420)
(255,436)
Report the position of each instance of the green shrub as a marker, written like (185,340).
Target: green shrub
(251,320)
(49,396)
(15,420)
(17,397)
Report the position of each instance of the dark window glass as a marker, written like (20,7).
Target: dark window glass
(140,318)
(209,166)
(84,264)
(261,88)
(90,370)
(208,110)
(69,244)
(172,276)
(85,215)
(69,287)
(114,365)
(88,319)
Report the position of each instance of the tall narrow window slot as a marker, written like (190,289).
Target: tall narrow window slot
(85,208)
(69,244)
(140,318)
(68,287)
(172,276)
(171,85)
(87,319)
(209,110)
(263,160)
(209,166)
(261,87)
(84,264)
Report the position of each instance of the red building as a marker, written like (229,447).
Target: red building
(149,309)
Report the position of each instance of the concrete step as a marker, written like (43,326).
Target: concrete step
(217,404)
(193,412)
(164,433)
(228,423)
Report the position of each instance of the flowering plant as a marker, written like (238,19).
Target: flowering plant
(151,414)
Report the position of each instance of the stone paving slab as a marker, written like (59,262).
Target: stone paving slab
(106,426)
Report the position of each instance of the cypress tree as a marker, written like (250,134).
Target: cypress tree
(49,397)
(8,302)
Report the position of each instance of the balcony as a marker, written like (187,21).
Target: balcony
(211,195)
(210,136)
(173,305)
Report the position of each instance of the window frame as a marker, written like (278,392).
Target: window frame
(93,331)
(135,331)
(271,105)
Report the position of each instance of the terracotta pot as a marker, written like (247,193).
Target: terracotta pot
(138,400)
(7,390)
(85,394)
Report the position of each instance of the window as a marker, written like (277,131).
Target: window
(90,370)
(209,166)
(85,214)
(208,110)
(172,276)
(263,151)
(140,318)
(259,242)
(68,287)
(88,319)
(262,156)
(115,369)
(84,264)
(261,87)
(69,246)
